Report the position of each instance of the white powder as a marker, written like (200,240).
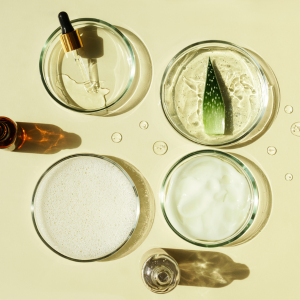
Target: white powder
(85,208)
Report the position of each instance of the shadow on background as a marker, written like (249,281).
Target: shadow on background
(207,268)
(142,78)
(147,210)
(46,139)
(264,210)
(272,108)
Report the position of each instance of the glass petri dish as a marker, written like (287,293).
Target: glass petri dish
(108,59)
(242,82)
(85,207)
(221,218)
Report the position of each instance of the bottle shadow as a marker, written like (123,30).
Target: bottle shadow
(93,44)
(147,210)
(92,50)
(45,139)
(207,268)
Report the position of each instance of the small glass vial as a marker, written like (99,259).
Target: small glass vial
(12,136)
(160,272)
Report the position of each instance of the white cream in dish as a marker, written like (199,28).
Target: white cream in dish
(207,199)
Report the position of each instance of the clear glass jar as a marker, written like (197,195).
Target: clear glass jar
(243,82)
(160,271)
(249,216)
(108,58)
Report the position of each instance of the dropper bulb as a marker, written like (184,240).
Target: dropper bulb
(65,23)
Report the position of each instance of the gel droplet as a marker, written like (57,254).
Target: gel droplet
(288,177)
(295,129)
(116,137)
(144,125)
(288,109)
(272,150)
(160,148)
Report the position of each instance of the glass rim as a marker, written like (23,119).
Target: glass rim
(123,37)
(89,155)
(265,93)
(252,211)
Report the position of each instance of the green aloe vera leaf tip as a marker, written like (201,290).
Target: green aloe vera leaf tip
(213,104)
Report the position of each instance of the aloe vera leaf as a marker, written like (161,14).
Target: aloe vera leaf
(213,104)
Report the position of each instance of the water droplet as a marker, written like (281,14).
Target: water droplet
(144,125)
(295,129)
(272,150)
(116,137)
(288,177)
(288,109)
(160,148)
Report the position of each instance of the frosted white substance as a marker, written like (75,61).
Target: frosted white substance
(85,208)
(207,199)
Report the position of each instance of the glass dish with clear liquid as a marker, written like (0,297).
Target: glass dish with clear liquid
(107,58)
(242,82)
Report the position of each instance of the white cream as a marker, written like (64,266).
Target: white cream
(207,199)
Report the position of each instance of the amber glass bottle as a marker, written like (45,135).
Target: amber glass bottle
(12,136)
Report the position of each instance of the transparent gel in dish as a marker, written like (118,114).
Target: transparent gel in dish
(209,198)
(242,82)
(107,57)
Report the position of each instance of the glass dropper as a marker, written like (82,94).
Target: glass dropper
(71,42)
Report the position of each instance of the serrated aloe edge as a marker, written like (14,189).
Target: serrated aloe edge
(213,104)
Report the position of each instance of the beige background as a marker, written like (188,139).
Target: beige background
(28,269)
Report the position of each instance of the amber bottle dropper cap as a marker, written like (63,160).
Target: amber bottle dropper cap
(70,38)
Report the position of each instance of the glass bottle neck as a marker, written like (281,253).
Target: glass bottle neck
(162,276)
(4,131)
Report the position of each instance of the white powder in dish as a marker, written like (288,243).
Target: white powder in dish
(85,208)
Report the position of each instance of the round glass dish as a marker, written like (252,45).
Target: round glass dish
(176,221)
(79,218)
(243,85)
(108,59)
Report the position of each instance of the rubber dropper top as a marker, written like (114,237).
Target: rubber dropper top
(70,38)
(65,23)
